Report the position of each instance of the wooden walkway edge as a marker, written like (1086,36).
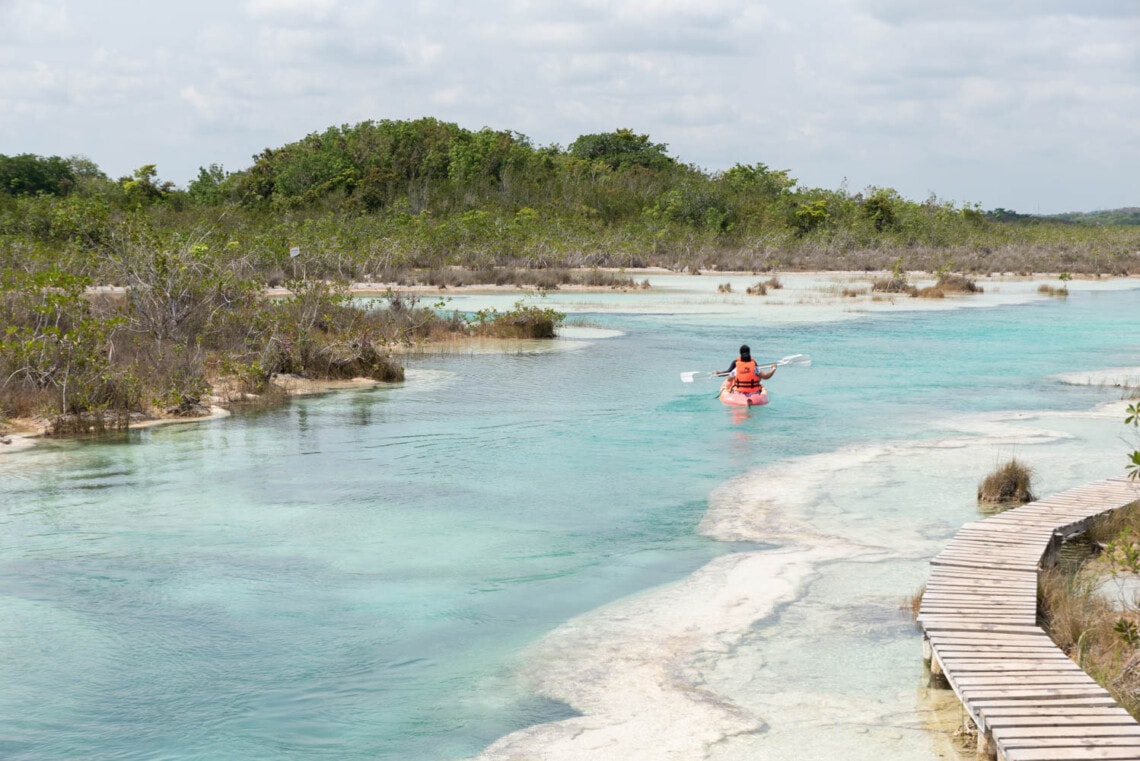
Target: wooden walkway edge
(978,614)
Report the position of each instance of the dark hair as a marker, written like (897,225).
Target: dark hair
(745,352)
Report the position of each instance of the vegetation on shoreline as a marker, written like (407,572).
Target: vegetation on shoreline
(376,201)
(86,361)
(1086,606)
(420,202)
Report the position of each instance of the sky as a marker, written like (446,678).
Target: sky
(1027,105)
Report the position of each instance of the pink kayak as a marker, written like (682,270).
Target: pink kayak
(740,399)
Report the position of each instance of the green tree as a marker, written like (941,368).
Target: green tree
(143,187)
(29,175)
(879,207)
(209,187)
(757,179)
(811,215)
(52,342)
(621,149)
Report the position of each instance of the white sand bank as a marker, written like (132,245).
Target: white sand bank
(634,669)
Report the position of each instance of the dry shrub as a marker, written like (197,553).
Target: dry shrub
(957,284)
(774,283)
(760,289)
(894,284)
(1009,484)
(1100,634)
(1049,290)
(724,288)
(852,292)
(933,292)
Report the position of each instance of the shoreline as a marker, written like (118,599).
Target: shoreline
(25,433)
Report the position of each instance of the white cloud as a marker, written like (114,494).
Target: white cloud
(290,9)
(30,21)
(967,99)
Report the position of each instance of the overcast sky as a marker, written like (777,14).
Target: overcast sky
(1031,105)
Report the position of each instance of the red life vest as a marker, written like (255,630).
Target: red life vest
(747,379)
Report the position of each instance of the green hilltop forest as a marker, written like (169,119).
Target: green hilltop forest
(420,201)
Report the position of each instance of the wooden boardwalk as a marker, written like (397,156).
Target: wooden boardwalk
(1029,701)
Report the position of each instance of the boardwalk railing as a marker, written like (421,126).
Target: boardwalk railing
(1030,702)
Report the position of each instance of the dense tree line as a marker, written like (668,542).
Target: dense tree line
(377,199)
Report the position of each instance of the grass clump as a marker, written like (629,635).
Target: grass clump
(893,284)
(762,288)
(1049,290)
(948,284)
(957,284)
(1007,485)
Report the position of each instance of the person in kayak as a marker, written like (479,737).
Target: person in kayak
(746,374)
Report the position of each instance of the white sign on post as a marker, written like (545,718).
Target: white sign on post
(294,252)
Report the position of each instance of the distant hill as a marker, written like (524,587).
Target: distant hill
(1126,216)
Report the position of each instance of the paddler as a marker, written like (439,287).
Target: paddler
(746,374)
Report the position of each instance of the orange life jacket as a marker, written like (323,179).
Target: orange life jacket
(747,378)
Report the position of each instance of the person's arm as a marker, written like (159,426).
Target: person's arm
(729,370)
(767,375)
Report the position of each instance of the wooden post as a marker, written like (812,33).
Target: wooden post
(987,749)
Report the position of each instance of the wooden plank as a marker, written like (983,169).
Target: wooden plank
(949,653)
(995,662)
(992,594)
(979,563)
(1063,720)
(1073,691)
(1066,742)
(986,574)
(939,639)
(994,541)
(1061,703)
(973,626)
(997,681)
(998,598)
(989,561)
(1008,615)
(969,581)
(1068,754)
(1053,711)
(991,525)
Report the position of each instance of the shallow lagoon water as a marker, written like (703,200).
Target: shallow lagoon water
(557,554)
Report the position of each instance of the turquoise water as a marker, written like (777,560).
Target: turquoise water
(366,574)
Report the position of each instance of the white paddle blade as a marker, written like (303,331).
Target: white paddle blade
(796,360)
(688,377)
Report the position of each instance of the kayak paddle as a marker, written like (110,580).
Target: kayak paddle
(794,360)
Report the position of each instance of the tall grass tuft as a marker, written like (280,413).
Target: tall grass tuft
(1008,485)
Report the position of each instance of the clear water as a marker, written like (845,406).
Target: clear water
(551,547)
